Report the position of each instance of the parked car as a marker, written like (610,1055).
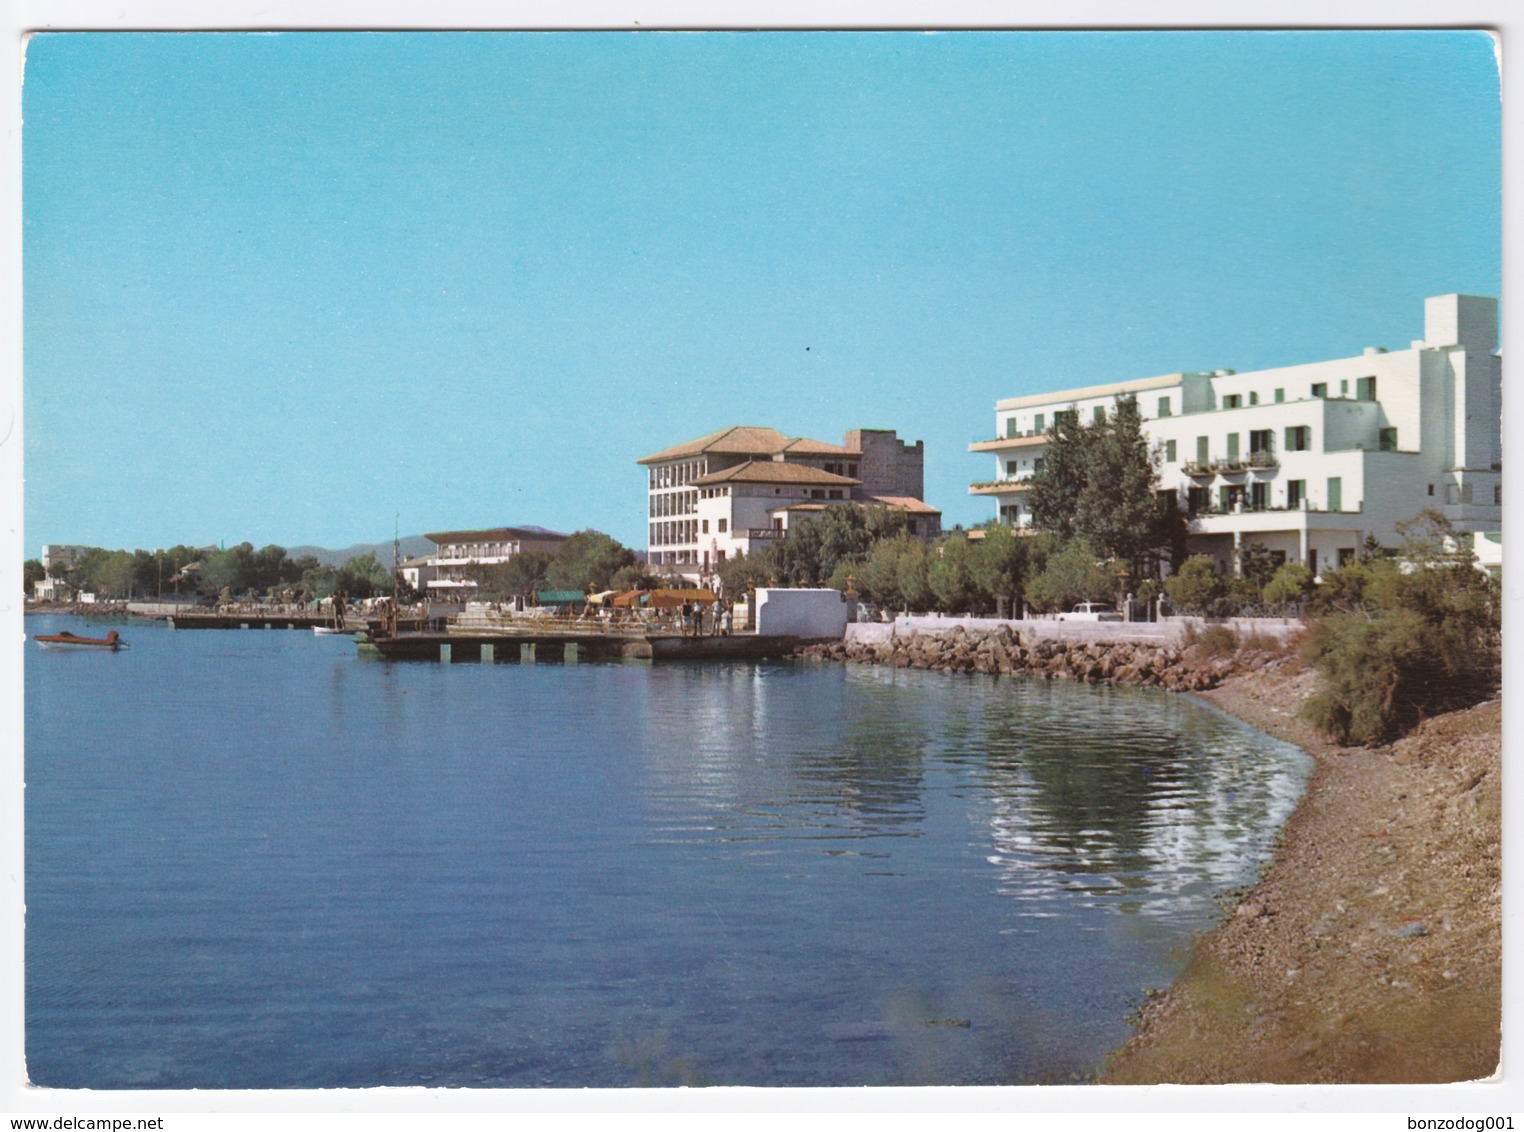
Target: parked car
(1091,611)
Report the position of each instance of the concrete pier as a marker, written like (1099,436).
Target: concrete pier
(570,648)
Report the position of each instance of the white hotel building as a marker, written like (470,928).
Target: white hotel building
(1310,459)
(736,491)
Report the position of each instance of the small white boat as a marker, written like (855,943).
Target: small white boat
(331,631)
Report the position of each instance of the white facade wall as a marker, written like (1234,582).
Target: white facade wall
(1386,434)
(801,613)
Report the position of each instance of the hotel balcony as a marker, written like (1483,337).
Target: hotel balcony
(1232,466)
(1002,443)
(998,487)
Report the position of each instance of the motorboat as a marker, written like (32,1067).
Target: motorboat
(66,639)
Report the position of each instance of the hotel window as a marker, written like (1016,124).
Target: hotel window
(1320,389)
(1169,451)
(1280,396)
(1259,496)
(1261,440)
(1254,398)
(835,495)
(1164,409)
(1099,413)
(1365,389)
(1335,493)
(721,524)
(1344,387)
(852,470)
(1388,440)
(1066,417)
(1010,426)
(1232,446)
(1010,468)
(1039,423)
(1298,438)
(1202,448)
(1296,491)
(706,526)
(1233,401)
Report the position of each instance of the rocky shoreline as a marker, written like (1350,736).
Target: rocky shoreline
(1192,666)
(1370,952)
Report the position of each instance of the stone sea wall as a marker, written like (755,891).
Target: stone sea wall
(1185,665)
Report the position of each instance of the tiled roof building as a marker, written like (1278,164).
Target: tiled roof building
(734,491)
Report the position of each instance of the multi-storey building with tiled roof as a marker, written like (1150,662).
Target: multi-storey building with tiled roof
(458,550)
(735,491)
(1306,460)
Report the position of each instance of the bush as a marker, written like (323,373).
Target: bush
(1385,672)
(1292,582)
(1195,586)
(1212,642)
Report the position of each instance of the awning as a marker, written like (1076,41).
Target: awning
(663,599)
(560,597)
(601,599)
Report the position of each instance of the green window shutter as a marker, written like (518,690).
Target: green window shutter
(1335,493)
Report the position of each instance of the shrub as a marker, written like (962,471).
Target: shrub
(1292,582)
(1196,585)
(1212,642)
(1384,672)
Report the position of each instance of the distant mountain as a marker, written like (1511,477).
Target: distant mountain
(412,547)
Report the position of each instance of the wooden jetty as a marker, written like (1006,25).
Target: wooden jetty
(572,647)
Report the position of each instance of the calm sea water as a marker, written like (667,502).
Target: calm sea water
(256,861)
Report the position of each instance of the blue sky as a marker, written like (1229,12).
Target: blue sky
(289,287)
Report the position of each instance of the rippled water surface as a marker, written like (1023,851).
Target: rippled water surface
(256,861)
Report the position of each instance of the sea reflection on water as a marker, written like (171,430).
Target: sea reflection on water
(303,870)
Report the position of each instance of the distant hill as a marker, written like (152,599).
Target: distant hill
(412,547)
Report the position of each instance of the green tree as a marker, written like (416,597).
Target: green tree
(1195,586)
(1256,564)
(115,575)
(1000,566)
(1072,575)
(231,569)
(363,576)
(1099,481)
(587,561)
(743,572)
(521,575)
(31,573)
(319,581)
(952,575)
(634,577)
(1292,582)
(896,574)
(843,534)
